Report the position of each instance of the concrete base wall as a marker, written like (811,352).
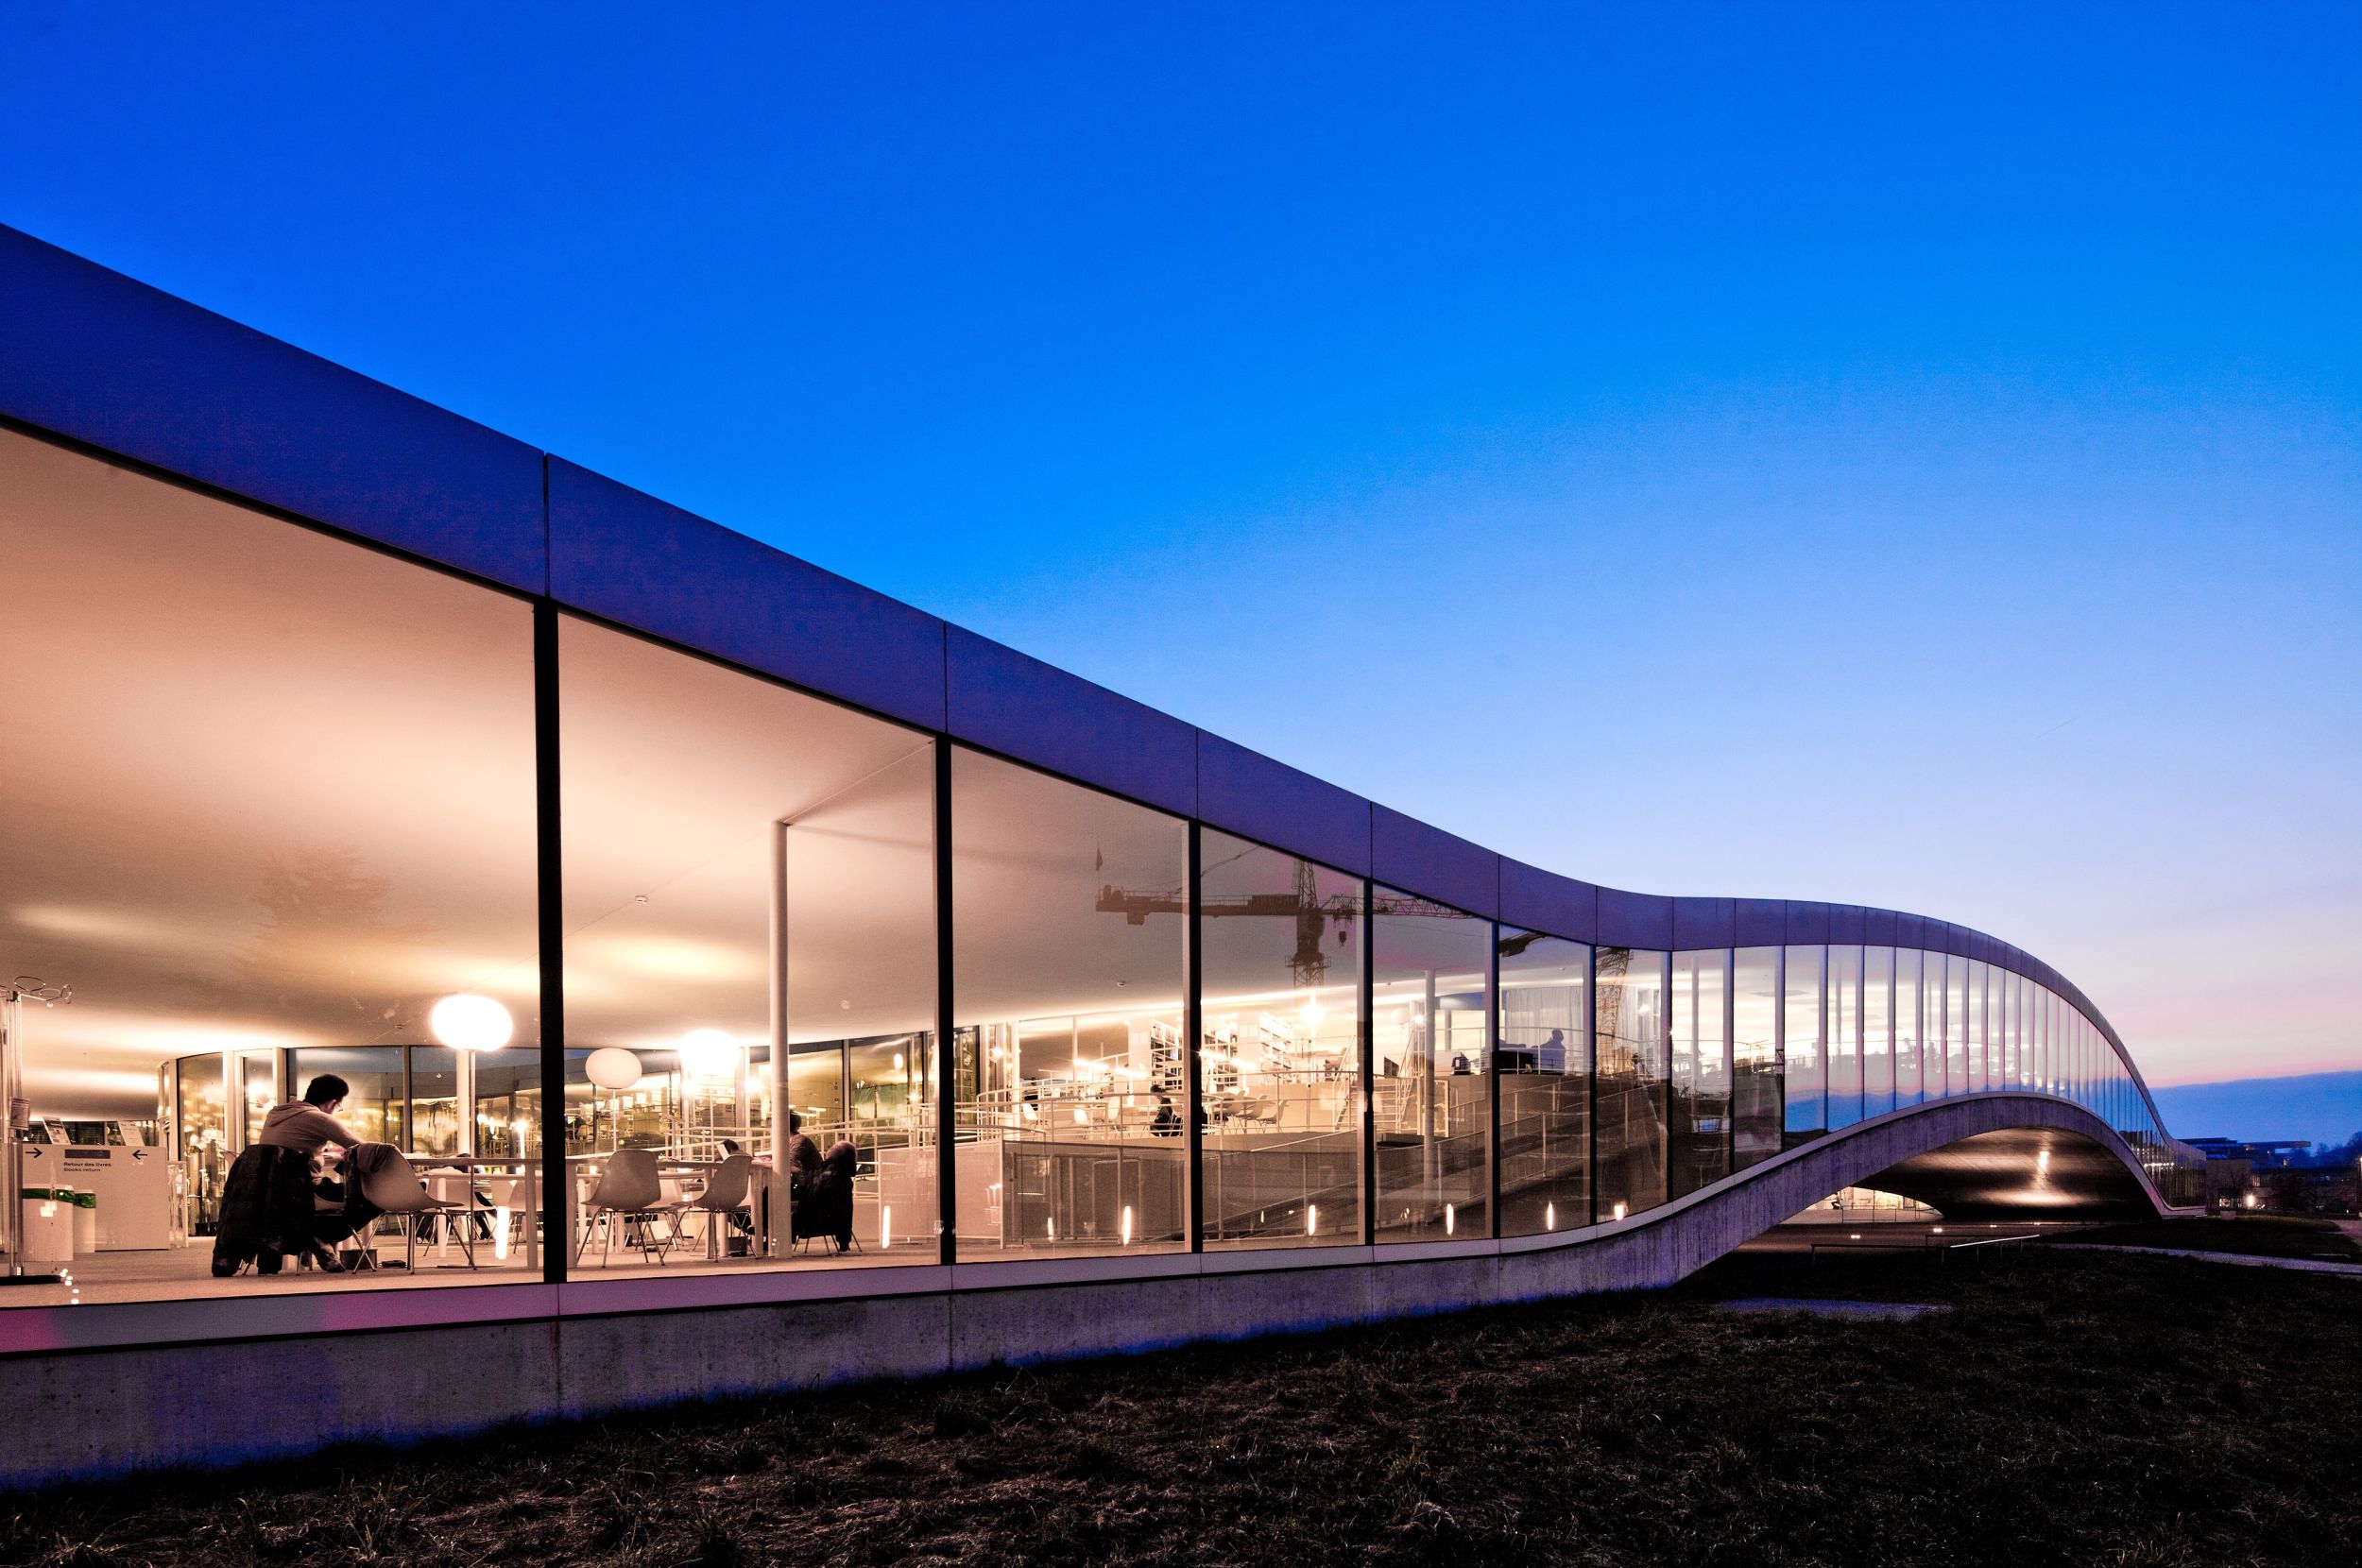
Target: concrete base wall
(102,1411)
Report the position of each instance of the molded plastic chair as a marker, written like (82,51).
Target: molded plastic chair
(725,1193)
(395,1188)
(629,1188)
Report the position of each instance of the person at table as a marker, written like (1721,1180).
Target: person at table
(803,1155)
(309,1125)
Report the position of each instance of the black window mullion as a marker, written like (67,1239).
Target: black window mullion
(549,845)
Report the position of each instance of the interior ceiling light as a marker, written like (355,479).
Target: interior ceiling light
(468,1022)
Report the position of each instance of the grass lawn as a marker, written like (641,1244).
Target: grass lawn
(2256,1235)
(2076,1408)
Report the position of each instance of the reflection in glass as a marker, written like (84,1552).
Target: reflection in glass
(1754,1056)
(1282,1053)
(1803,1066)
(273,792)
(1907,1026)
(748,874)
(1700,1103)
(1544,1063)
(1877,1034)
(1629,1028)
(1430,1102)
(1845,1037)
(1069,930)
(1983,1072)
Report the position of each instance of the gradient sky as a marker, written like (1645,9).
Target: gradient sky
(1899,455)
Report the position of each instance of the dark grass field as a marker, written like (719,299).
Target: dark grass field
(2076,1408)
(2256,1235)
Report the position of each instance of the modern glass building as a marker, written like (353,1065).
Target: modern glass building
(605,854)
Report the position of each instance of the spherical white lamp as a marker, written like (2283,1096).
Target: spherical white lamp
(611,1067)
(708,1053)
(467,1022)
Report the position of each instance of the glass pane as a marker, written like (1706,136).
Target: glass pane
(1908,1026)
(1630,1026)
(745,867)
(1802,1065)
(1545,1067)
(1755,1049)
(1981,1074)
(1069,925)
(1962,1073)
(1845,1040)
(509,1102)
(274,792)
(1877,1041)
(1282,1053)
(1700,1105)
(1430,1102)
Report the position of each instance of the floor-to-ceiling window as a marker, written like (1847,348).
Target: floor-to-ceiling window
(1803,1066)
(1281,977)
(269,792)
(1430,1100)
(1630,1031)
(1069,939)
(1845,1034)
(1544,1066)
(1754,1055)
(745,868)
(1877,1031)
(1699,1098)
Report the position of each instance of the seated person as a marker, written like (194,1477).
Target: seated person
(310,1124)
(268,1209)
(1167,1122)
(803,1155)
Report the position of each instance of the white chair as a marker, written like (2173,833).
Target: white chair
(395,1187)
(629,1188)
(725,1194)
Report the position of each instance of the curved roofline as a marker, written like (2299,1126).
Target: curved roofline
(138,375)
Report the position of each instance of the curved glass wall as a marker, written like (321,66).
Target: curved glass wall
(1430,1102)
(284,804)
(1542,1068)
(1070,921)
(1282,1058)
(1630,1029)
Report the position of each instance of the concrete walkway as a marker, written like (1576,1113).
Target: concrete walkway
(2303,1265)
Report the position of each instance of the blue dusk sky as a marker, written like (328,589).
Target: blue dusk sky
(1907,455)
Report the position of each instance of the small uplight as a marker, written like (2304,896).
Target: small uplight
(468,1022)
(1312,1220)
(1936,1231)
(1448,1220)
(1619,1211)
(1853,1235)
(1125,1229)
(885,1226)
(1049,1227)
(1550,1217)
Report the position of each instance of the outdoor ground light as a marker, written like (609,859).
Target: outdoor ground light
(471,1023)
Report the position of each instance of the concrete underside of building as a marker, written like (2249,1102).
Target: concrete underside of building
(565,1352)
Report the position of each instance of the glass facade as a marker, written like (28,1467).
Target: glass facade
(1630,1029)
(1543,1070)
(1755,1115)
(1699,1099)
(1803,1042)
(1069,966)
(282,822)
(1431,1100)
(1282,1061)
